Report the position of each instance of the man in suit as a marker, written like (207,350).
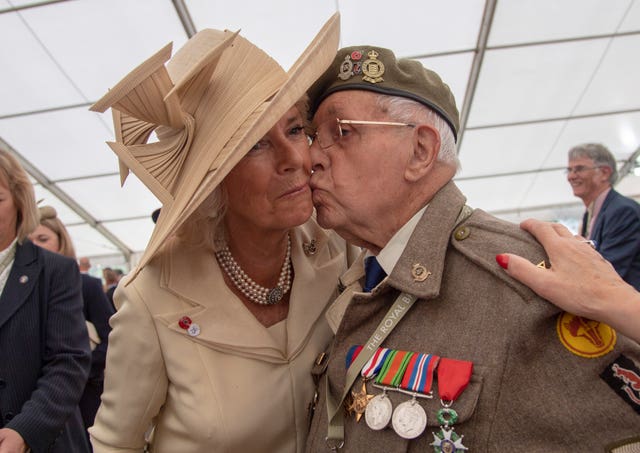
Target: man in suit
(446,352)
(611,220)
(111,283)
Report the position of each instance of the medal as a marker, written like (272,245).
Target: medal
(378,412)
(361,399)
(453,378)
(409,419)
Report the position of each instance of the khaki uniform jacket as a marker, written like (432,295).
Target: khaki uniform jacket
(232,387)
(528,392)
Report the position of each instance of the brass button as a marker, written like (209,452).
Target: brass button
(462,233)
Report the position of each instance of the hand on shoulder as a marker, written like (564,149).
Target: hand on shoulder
(579,279)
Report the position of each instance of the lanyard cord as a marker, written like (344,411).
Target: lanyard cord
(335,426)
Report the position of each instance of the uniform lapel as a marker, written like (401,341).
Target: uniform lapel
(22,279)
(425,252)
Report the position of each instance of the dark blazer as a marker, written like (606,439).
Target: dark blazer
(44,351)
(97,310)
(617,235)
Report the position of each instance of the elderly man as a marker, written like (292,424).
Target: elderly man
(611,220)
(446,352)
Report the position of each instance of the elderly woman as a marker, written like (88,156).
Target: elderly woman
(219,326)
(44,349)
(51,234)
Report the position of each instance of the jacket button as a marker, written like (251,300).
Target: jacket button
(8,416)
(3,384)
(462,233)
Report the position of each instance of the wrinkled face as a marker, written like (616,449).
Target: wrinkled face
(8,217)
(586,180)
(44,237)
(356,180)
(269,188)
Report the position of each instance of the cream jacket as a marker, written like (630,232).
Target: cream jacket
(232,387)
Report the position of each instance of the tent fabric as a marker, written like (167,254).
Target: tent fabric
(532,78)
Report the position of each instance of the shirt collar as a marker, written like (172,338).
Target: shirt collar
(390,254)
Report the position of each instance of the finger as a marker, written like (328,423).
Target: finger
(544,232)
(526,272)
(562,230)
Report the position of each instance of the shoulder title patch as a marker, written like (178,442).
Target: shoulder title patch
(623,376)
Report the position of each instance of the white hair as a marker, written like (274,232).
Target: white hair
(409,111)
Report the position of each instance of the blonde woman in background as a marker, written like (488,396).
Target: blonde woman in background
(44,348)
(51,234)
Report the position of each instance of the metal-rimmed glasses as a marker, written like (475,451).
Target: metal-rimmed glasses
(331,132)
(579,169)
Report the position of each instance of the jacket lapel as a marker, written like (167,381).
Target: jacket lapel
(226,324)
(602,215)
(21,282)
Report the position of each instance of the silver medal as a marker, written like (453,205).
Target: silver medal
(409,419)
(378,412)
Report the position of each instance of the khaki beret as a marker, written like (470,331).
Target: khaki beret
(377,69)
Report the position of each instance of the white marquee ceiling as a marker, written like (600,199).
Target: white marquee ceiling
(532,78)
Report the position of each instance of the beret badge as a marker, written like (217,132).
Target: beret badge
(372,68)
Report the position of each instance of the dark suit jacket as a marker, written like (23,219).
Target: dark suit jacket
(44,351)
(617,235)
(97,310)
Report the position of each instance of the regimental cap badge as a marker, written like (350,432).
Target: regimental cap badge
(372,68)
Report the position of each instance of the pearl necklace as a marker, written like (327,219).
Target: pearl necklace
(256,293)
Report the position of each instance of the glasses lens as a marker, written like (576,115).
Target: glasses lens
(328,133)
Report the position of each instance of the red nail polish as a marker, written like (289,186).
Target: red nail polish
(503,260)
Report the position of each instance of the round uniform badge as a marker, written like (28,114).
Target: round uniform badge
(585,337)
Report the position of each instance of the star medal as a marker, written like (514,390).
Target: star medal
(360,399)
(453,378)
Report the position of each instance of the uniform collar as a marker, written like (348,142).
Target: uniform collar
(390,254)
(420,268)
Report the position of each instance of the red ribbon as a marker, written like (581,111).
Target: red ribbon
(453,377)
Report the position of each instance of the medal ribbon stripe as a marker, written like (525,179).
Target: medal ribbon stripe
(372,367)
(419,375)
(394,367)
(352,354)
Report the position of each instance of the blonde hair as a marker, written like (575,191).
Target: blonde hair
(49,218)
(17,181)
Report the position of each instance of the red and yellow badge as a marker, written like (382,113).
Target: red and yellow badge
(585,337)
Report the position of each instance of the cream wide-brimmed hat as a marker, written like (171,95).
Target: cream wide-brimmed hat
(215,99)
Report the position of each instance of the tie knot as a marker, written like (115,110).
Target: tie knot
(373,273)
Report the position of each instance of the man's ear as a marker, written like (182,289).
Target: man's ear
(606,172)
(426,146)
